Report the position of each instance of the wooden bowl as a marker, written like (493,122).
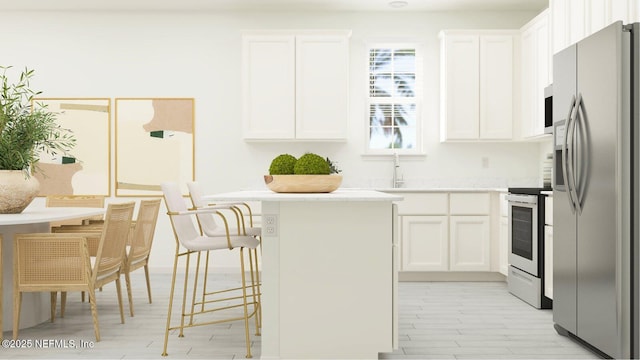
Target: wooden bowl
(303,183)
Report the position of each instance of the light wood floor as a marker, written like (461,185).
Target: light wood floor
(438,320)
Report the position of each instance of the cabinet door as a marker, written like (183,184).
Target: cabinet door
(576,11)
(460,87)
(322,86)
(543,77)
(548,261)
(559,24)
(496,86)
(597,13)
(504,245)
(528,82)
(268,87)
(469,242)
(425,245)
(536,76)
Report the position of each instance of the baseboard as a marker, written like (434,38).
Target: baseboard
(408,276)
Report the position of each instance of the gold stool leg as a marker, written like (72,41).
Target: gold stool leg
(184,293)
(244,300)
(253,292)
(195,287)
(259,291)
(173,285)
(205,280)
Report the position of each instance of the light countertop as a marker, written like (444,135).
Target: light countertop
(417,190)
(34,215)
(338,195)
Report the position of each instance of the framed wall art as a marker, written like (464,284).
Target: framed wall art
(154,143)
(87,171)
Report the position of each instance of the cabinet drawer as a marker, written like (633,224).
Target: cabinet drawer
(469,204)
(548,210)
(423,204)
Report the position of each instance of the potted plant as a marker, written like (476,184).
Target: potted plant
(27,129)
(311,173)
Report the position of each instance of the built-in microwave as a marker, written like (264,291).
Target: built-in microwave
(548,109)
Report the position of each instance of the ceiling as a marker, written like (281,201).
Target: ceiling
(268,5)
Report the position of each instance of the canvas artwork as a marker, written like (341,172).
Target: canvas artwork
(154,143)
(87,170)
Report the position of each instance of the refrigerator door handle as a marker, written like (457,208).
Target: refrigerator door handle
(571,149)
(567,155)
(581,125)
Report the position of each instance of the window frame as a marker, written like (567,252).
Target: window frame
(419,80)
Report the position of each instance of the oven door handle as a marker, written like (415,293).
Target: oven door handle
(522,199)
(567,155)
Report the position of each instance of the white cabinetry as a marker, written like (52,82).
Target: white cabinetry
(425,232)
(445,232)
(548,247)
(425,243)
(470,235)
(536,74)
(572,21)
(295,85)
(504,236)
(476,85)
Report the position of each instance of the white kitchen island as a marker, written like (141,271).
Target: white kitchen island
(329,277)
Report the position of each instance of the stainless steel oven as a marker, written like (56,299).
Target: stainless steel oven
(523,232)
(526,277)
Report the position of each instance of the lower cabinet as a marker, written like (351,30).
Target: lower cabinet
(469,243)
(425,243)
(504,245)
(445,232)
(548,261)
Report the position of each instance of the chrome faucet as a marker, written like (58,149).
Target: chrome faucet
(396,164)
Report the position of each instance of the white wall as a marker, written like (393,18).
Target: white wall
(198,54)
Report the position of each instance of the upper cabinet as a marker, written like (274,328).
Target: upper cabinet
(476,85)
(572,21)
(536,74)
(295,85)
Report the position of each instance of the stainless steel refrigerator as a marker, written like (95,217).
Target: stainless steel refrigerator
(595,190)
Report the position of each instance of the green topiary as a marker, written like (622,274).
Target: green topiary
(311,164)
(282,165)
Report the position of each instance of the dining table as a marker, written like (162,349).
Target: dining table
(35,218)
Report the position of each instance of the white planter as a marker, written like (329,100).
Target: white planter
(16,191)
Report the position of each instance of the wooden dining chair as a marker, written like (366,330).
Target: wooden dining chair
(140,247)
(55,262)
(76,201)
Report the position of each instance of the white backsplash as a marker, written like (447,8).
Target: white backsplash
(429,183)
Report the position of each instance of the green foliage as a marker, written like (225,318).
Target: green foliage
(282,165)
(311,164)
(333,168)
(27,128)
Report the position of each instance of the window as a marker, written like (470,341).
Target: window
(393,100)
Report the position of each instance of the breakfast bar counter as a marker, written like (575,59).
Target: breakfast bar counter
(329,277)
